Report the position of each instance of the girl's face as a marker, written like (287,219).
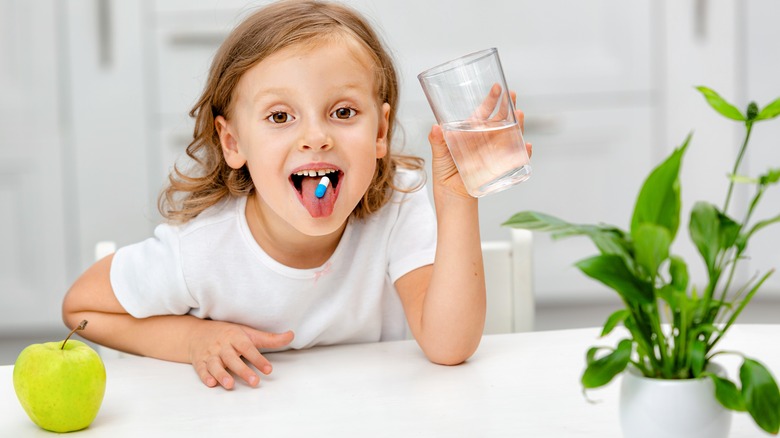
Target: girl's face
(299,115)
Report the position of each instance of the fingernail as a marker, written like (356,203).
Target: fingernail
(267,369)
(225,382)
(253,380)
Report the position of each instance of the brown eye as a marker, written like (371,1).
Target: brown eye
(344,113)
(279,117)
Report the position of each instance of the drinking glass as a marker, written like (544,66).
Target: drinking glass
(471,103)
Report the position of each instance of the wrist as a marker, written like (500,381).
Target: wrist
(446,198)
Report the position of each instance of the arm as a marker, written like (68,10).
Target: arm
(445,303)
(210,346)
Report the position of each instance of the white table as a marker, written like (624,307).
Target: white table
(524,385)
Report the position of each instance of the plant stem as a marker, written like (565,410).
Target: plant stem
(741,306)
(738,253)
(749,126)
(81,326)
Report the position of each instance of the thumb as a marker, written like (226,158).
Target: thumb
(438,145)
(270,340)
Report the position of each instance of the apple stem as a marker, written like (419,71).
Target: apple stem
(81,326)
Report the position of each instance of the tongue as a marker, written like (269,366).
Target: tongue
(317,207)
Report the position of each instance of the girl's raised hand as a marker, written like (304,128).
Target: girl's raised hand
(445,173)
(217,350)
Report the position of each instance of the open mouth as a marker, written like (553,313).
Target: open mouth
(298,178)
(318,189)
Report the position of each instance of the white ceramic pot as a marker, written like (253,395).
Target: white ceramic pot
(653,408)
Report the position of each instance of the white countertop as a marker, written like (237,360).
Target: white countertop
(524,384)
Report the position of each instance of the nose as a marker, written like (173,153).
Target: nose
(315,136)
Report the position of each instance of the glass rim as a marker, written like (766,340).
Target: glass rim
(457,62)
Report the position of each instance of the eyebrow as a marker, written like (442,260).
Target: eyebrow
(277,91)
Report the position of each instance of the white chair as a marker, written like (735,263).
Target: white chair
(509,283)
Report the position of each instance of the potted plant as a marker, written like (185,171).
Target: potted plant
(673,325)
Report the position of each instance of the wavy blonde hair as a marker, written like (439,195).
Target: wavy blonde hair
(270,29)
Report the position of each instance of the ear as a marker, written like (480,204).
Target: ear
(382,131)
(229,141)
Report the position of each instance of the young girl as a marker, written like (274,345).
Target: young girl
(255,255)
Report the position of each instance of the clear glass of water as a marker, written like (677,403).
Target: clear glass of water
(471,103)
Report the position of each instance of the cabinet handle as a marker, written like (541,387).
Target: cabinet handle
(104,34)
(700,19)
(197,39)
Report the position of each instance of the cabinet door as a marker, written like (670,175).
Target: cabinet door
(33,192)
(109,116)
(762,70)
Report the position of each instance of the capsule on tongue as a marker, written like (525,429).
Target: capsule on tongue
(322,187)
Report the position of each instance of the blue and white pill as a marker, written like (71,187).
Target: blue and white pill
(322,187)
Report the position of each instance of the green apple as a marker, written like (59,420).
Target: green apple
(60,384)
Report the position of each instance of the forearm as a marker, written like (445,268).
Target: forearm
(163,337)
(453,311)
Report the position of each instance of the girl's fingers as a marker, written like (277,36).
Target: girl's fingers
(489,104)
(436,139)
(233,363)
(269,340)
(205,376)
(503,109)
(252,354)
(217,370)
(520,119)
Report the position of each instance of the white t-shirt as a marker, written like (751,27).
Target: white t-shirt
(211,267)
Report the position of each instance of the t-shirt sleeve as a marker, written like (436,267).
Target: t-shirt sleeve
(147,277)
(413,237)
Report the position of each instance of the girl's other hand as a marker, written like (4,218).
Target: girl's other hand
(445,173)
(217,350)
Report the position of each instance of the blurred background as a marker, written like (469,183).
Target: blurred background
(94,96)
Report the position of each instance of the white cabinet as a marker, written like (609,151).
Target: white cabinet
(34,191)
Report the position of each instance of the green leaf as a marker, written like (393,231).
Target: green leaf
(614,320)
(698,351)
(651,246)
(704,231)
(728,231)
(610,241)
(601,371)
(711,231)
(678,270)
(761,395)
(727,393)
(770,111)
(667,293)
(535,221)
(659,199)
(612,271)
(769,178)
(751,112)
(720,105)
